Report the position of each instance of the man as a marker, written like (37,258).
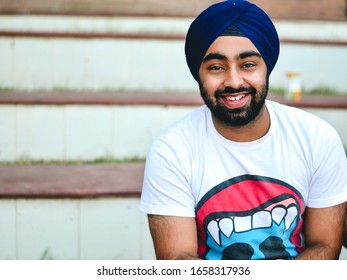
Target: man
(243,177)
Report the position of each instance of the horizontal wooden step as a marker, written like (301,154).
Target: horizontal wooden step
(151,98)
(295,9)
(71,180)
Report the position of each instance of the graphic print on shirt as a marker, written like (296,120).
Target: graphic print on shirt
(250,217)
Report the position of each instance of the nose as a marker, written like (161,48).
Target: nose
(233,78)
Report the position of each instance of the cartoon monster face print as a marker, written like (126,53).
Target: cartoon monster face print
(250,217)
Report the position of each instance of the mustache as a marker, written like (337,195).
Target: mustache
(227,90)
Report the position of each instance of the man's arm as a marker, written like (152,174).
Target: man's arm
(345,233)
(174,237)
(323,229)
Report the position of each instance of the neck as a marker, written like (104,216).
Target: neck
(246,133)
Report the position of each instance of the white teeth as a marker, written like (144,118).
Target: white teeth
(278,214)
(261,219)
(213,229)
(292,212)
(226,226)
(242,223)
(235,98)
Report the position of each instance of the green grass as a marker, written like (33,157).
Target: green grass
(74,162)
(321,90)
(314,91)
(325,91)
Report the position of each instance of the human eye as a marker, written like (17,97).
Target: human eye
(215,68)
(248,65)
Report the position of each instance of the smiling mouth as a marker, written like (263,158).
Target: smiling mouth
(234,101)
(235,98)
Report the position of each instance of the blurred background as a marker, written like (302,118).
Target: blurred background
(85,87)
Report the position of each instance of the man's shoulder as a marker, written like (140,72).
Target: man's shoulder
(297,121)
(295,114)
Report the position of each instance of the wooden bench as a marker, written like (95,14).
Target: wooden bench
(110,179)
(327,9)
(71,181)
(151,98)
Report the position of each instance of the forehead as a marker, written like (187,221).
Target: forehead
(231,45)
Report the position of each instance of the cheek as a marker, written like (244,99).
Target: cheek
(211,84)
(256,80)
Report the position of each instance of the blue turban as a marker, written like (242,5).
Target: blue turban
(247,17)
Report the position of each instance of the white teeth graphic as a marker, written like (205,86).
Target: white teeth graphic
(292,212)
(242,223)
(278,214)
(260,219)
(226,226)
(212,227)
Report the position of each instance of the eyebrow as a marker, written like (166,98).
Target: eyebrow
(212,56)
(220,56)
(249,54)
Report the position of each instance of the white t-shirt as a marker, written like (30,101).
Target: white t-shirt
(248,198)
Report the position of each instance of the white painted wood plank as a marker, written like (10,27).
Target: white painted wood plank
(135,129)
(6,58)
(94,64)
(302,58)
(110,229)
(40,132)
(7,133)
(47,229)
(146,249)
(343,255)
(89,132)
(8,232)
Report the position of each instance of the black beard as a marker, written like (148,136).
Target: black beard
(235,117)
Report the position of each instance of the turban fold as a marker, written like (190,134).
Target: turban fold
(252,21)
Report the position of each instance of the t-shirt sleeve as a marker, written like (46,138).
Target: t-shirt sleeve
(166,186)
(329,182)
